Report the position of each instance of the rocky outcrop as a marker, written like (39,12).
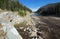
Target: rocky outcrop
(7,29)
(12,18)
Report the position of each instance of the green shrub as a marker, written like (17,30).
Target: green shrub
(22,13)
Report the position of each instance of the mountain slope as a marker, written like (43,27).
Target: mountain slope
(50,9)
(13,5)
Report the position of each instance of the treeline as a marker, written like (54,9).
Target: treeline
(13,5)
(50,10)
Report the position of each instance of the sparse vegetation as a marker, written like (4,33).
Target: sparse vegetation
(22,24)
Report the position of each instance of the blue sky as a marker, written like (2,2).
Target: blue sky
(35,4)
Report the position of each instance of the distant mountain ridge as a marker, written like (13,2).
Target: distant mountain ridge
(52,9)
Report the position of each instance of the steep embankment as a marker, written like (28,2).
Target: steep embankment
(22,22)
(16,11)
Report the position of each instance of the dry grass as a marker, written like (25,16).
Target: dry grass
(22,24)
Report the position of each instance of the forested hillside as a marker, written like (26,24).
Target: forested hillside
(13,5)
(52,9)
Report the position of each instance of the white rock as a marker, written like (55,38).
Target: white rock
(8,27)
(13,34)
